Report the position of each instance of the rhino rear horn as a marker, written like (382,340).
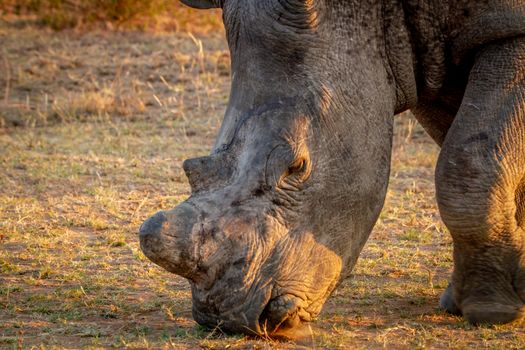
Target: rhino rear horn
(199,172)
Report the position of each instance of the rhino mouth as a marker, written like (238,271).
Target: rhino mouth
(282,315)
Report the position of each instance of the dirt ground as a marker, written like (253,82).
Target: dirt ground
(93,130)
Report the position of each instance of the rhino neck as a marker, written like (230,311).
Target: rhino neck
(347,36)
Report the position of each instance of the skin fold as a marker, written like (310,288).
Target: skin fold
(291,190)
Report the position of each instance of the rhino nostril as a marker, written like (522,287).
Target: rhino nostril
(261,190)
(258,192)
(153,225)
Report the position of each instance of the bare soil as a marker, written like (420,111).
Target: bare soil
(93,129)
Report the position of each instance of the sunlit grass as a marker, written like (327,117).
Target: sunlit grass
(149,15)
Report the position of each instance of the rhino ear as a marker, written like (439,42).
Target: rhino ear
(202,4)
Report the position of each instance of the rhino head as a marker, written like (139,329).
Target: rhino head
(282,206)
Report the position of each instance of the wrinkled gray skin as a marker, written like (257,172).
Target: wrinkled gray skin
(283,205)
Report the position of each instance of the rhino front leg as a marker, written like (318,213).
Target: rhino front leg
(480,183)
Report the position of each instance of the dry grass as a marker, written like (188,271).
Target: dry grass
(149,15)
(101,76)
(95,129)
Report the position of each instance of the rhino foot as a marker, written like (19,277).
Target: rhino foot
(447,303)
(491,312)
(483,309)
(484,300)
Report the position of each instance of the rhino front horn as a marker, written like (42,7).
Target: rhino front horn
(165,238)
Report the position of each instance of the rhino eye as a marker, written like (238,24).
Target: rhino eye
(297,167)
(298,170)
(285,166)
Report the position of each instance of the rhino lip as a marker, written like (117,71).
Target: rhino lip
(276,321)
